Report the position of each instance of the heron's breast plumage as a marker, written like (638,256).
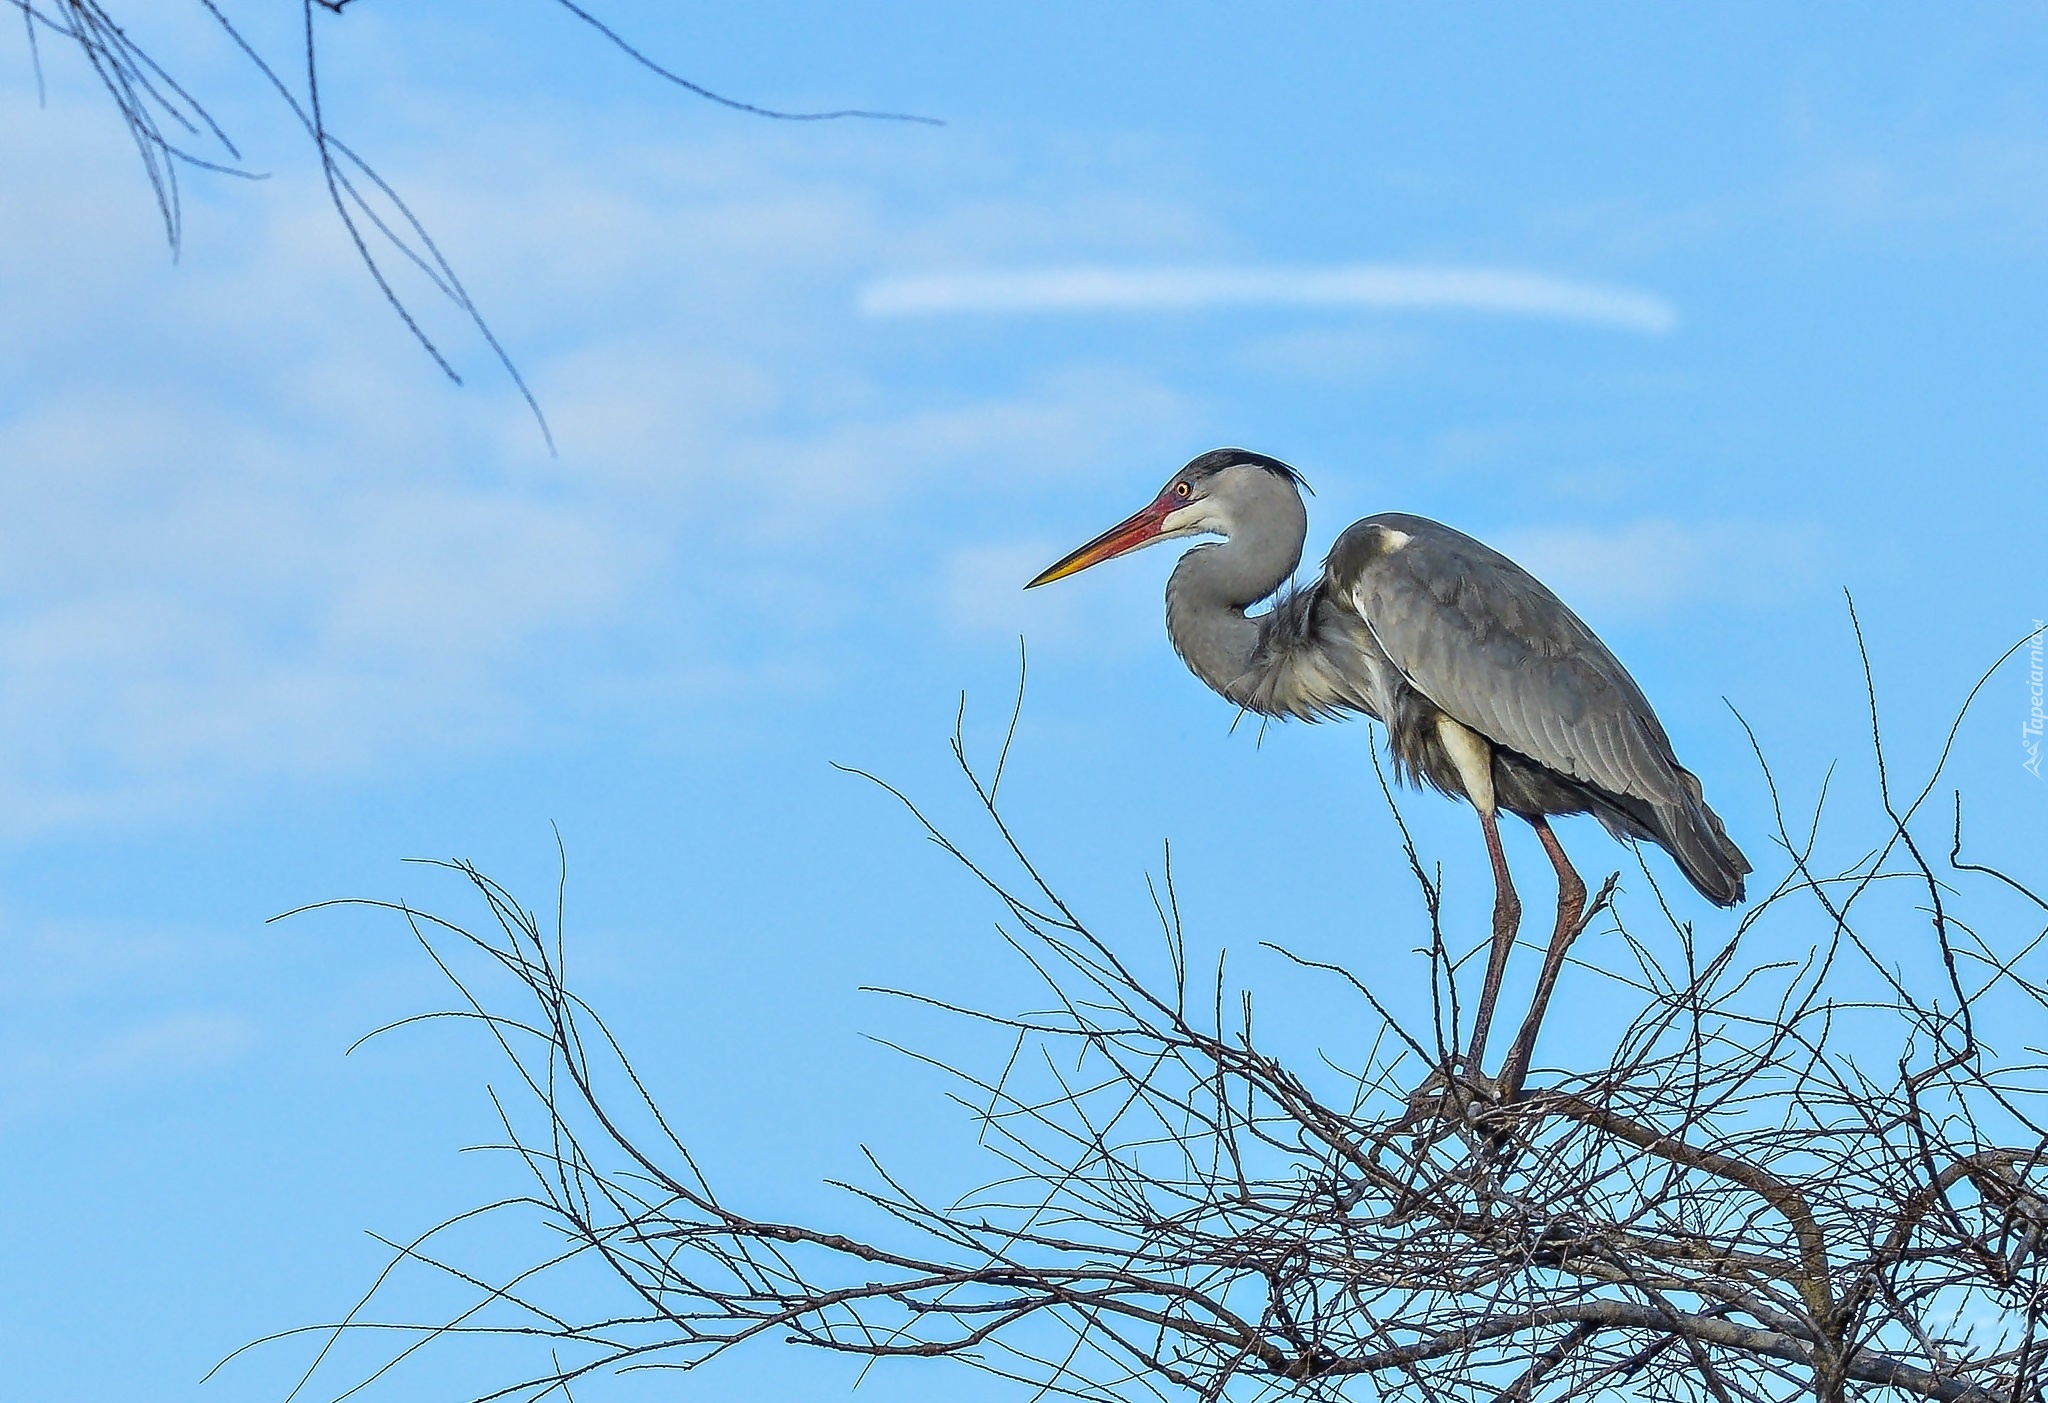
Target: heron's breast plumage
(1313,660)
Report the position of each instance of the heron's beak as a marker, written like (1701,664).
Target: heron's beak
(1139,530)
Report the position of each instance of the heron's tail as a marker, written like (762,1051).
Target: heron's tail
(1688,830)
(1692,833)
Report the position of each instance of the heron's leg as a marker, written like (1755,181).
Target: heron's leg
(1471,756)
(1507,919)
(1571,912)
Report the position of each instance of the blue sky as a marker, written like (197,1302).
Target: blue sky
(1705,316)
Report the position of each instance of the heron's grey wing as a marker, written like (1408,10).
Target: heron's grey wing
(1485,641)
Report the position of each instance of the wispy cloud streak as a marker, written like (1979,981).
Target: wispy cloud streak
(1501,292)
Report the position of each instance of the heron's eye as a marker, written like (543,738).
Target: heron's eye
(1181,489)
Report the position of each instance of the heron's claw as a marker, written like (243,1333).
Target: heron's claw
(1458,1097)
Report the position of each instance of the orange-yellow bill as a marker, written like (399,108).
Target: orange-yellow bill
(1139,530)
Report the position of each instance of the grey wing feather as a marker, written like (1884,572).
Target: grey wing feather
(1485,641)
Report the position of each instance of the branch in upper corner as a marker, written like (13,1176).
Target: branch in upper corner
(620,42)
(151,103)
(161,117)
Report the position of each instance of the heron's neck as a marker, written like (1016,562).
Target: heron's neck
(1211,588)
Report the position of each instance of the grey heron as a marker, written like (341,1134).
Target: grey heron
(1490,689)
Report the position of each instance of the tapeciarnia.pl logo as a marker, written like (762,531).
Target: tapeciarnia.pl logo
(2030,731)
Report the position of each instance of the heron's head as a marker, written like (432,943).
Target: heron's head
(1215,494)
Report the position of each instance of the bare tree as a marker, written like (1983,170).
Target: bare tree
(1805,1169)
(174,132)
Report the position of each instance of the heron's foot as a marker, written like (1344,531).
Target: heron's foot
(1449,1096)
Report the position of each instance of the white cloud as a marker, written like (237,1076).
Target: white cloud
(246,534)
(1651,568)
(171,1045)
(1496,291)
(92,1005)
(981,589)
(49,962)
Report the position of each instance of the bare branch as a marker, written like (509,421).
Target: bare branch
(1793,1178)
